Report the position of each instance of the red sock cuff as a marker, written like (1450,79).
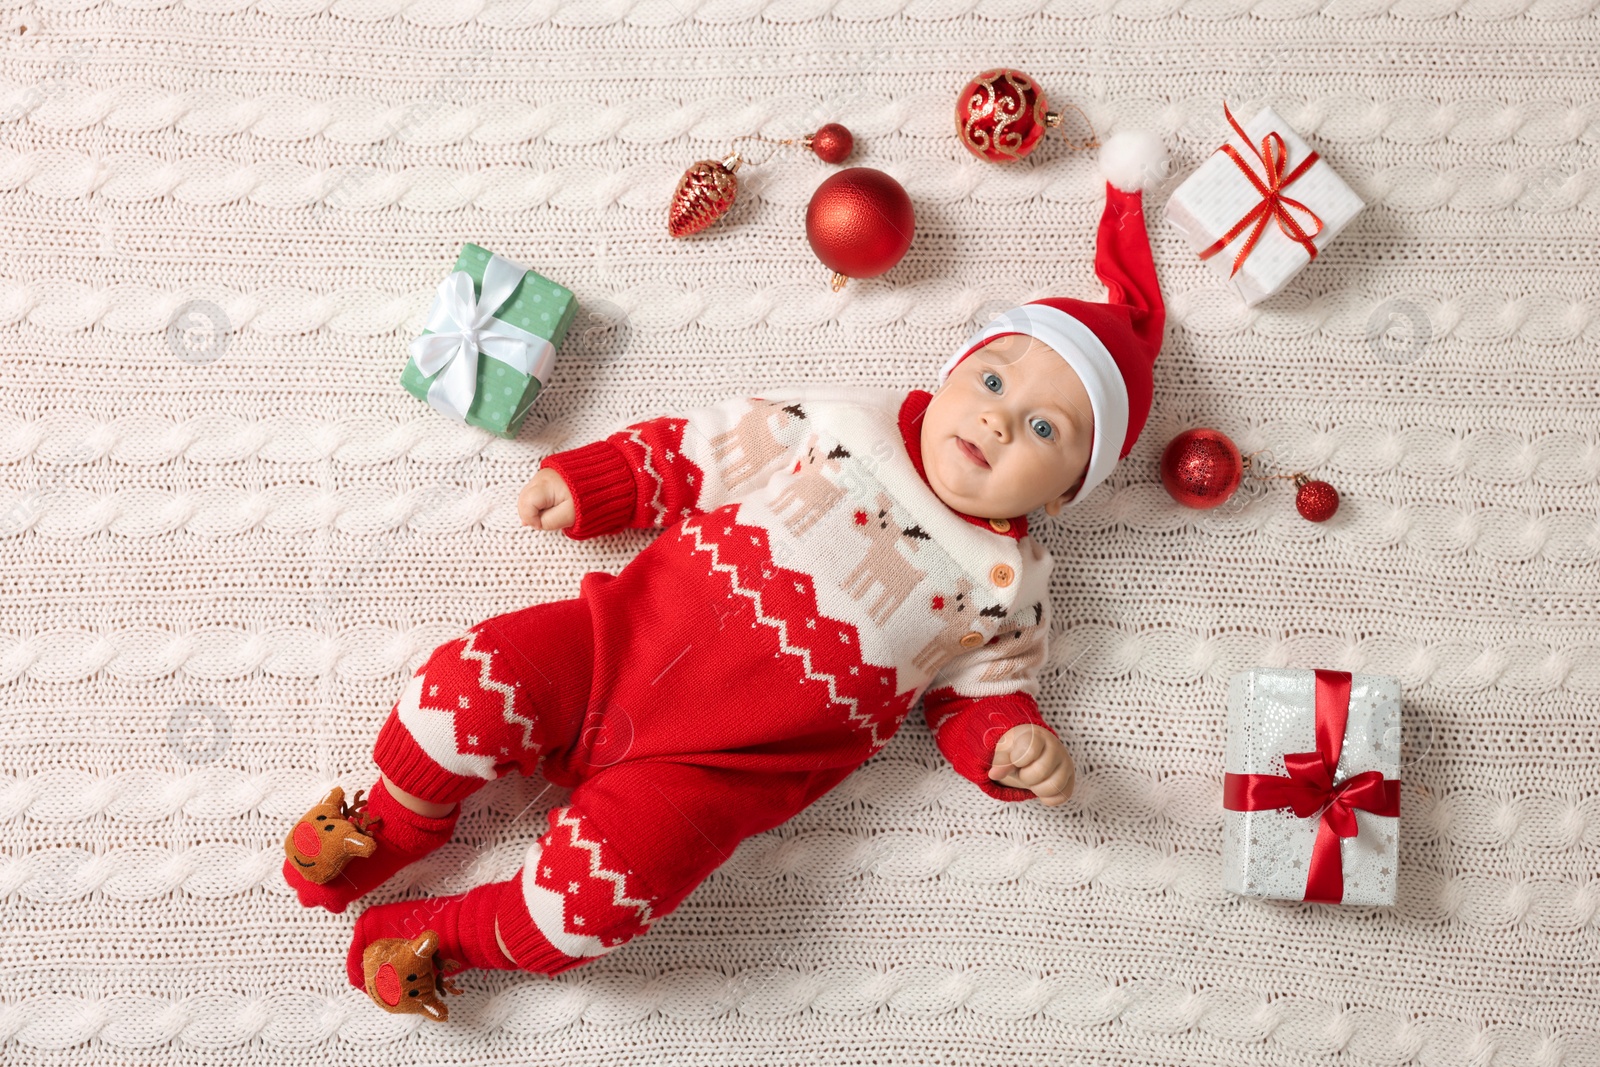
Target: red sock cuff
(475,928)
(403,762)
(530,948)
(406,831)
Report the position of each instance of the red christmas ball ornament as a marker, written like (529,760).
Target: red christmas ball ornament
(832,143)
(1001,114)
(860,223)
(1201,468)
(1314,500)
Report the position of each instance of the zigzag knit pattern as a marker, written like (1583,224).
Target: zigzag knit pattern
(577,894)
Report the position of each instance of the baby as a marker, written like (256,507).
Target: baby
(827,557)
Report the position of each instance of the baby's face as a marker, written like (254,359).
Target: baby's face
(1010,431)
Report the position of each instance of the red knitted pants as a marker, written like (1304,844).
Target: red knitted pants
(636,835)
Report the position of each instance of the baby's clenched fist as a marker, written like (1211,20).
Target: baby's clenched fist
(545,502)
(1030,757)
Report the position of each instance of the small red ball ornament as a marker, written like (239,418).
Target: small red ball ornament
(1316,501)
(1001,114)
(1201,468)
(860,223)
(832,143)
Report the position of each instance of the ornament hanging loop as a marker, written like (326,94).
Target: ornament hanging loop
(733,160)
(1053,119)
(1251,466)
(756,137)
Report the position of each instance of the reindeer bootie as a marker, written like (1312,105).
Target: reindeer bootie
(435,939)
(339,851)
(406,977)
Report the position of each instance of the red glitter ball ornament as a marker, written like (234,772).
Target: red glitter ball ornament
(1201,468)
(1315,501)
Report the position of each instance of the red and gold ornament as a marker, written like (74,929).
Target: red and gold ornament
(1001,115)
(860,223)
(1202,468)
(708,188)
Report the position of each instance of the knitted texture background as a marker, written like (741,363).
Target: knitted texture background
(229,535)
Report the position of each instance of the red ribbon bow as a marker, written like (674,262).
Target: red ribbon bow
(1310,790)
(1274,156)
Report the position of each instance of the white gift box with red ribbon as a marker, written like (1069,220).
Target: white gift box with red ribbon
(1311,790)
(1261,206)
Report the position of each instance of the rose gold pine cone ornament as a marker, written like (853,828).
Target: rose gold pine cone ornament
(704,194)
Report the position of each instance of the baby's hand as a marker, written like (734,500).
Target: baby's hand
(1028,757)
(546,502)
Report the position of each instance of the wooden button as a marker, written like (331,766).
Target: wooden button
(1001,575)
(1000,525)
(972,639)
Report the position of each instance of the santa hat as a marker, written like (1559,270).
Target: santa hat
(1111,346)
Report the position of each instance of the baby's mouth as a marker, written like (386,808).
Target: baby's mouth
(972,451)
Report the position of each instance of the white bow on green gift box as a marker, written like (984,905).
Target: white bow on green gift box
(462,327)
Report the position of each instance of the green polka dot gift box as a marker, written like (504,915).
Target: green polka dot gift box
(489,343)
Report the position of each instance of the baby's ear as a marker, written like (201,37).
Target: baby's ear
(1055,506)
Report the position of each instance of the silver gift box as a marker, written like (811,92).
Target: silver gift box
(1217,195)
(1272,711)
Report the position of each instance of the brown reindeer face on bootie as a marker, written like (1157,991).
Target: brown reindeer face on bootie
(328,836)
(403,977)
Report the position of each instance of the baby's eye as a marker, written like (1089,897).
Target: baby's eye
(992,381)
(1043,428)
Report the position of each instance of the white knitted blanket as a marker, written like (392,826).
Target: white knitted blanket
(227,535)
